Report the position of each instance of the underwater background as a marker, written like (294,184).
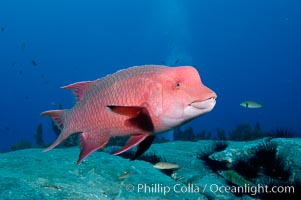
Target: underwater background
(245,51)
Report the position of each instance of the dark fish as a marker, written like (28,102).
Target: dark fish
(177,61)
(251,104)
(34,63)
(23,46)
(235,178)
(2,29)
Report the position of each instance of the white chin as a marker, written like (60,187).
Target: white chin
(191,111)
(199,108)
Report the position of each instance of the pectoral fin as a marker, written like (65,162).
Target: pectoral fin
(130,111)
(139,116)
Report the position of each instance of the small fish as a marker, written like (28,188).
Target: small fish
(13,63)
(34,63)
(166,165)
(250,104)
(235,178)
(2,29)
(139,102)
(124,175)
(23,46)
(177,61)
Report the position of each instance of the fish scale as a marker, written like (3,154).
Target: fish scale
(139,102)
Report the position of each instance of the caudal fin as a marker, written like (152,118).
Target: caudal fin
(56,115)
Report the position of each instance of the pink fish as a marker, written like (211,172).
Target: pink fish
(139,102)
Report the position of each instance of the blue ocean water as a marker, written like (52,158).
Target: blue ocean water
(244,50)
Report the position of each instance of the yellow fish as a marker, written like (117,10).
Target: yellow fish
(124,175)
(166,165)
(250,104)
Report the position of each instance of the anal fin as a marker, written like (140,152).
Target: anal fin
(91,142)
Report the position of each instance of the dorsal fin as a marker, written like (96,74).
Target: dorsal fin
(78,89)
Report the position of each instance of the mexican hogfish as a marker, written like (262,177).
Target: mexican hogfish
(139,102)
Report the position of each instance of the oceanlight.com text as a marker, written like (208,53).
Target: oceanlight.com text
(252,190)
(214,188)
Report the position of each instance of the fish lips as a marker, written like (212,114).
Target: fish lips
(205,105)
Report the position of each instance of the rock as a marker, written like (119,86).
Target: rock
(32,174)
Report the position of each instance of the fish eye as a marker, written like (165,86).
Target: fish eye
(177,85)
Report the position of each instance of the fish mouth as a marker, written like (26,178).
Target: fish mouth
(191,111)
(204,104)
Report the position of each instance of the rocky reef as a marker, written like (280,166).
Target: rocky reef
(208,170)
